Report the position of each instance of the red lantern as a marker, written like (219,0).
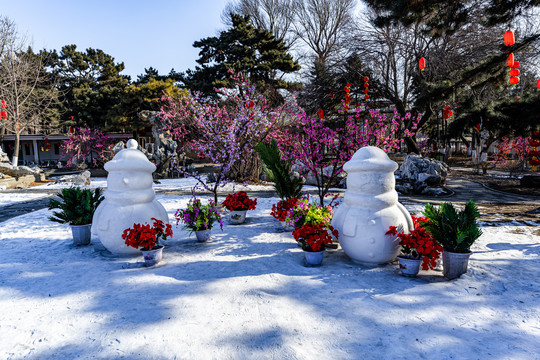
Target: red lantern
(366,79)
(347,90)
(516,64)
(538,84)
(478,127)
(4,114)
(514,72)
(48,147)
(446,107)
(71,130)
(513,80)
(348,85)
(510,60)
(366,91)
(366,97)
(3,103)
(450,113)
(509,38)
(321,114)
(366,85)
(422,64)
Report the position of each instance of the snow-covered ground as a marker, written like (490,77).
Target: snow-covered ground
(246,294)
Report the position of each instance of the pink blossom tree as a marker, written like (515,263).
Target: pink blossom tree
(225,133)
(321,151)
(87,145)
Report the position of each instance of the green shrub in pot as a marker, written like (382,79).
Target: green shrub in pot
(76,206)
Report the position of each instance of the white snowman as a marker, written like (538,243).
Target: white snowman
(129,199)
(369,208)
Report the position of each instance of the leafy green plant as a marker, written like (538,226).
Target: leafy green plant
(279,171)
(77,206)
(454,231)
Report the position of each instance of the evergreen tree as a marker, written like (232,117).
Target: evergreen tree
(245,49)
(91,84)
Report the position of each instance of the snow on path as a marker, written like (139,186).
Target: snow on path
(247,295)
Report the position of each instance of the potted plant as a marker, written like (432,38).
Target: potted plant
(455,232)
(238,204)
(313,238)
(281,211)
(147,238)
(76,207)
(199,218)
(305,212)
(417,247)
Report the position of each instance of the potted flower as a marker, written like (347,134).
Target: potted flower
(455,232)
(417,247)
(313,238)
(281,211)
(199,218)
(238,204)
(147,238)
(313,230)
(77,207)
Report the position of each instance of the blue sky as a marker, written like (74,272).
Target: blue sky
(158,33)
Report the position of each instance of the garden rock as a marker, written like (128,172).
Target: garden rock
(79,180)
(3,157)
(421,174)
(119,146)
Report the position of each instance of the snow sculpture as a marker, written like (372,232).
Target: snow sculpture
(129,199)
(370,206)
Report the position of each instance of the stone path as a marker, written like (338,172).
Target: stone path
(488,200)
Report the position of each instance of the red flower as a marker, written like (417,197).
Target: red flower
(418,243)
(281,211)
(146,237)
(314,237)
(239,201)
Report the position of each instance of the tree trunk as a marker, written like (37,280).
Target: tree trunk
(15,161)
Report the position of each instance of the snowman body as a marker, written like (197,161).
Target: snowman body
(129,199)
(369,208)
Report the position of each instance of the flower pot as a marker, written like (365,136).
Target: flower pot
(409,266)
(237,217)
(455,264)
(203,235)
(81,234)
(314,258)
(152,257)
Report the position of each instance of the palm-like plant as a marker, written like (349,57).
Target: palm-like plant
(455,231)
(77,206)
(279,171)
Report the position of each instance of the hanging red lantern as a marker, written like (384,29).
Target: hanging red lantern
(366,91)
(321,114)
(366,79)
(366,97)
(71,130)
(3,103)
(514,72)
(422,63)
(4,114)
(366,85)
(516,64)
(509,38)
(48,147)
(538,84)
(513,80)
(478,127)
(450,113)
(446,115)
(446,107)
(510,60)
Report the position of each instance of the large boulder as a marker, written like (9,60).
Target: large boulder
(3,157)
(420,175)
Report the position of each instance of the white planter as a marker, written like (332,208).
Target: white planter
(237,217)
(81,234)
(203,235)
(408,266)
(455,264)
(314,258)
(152,257)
